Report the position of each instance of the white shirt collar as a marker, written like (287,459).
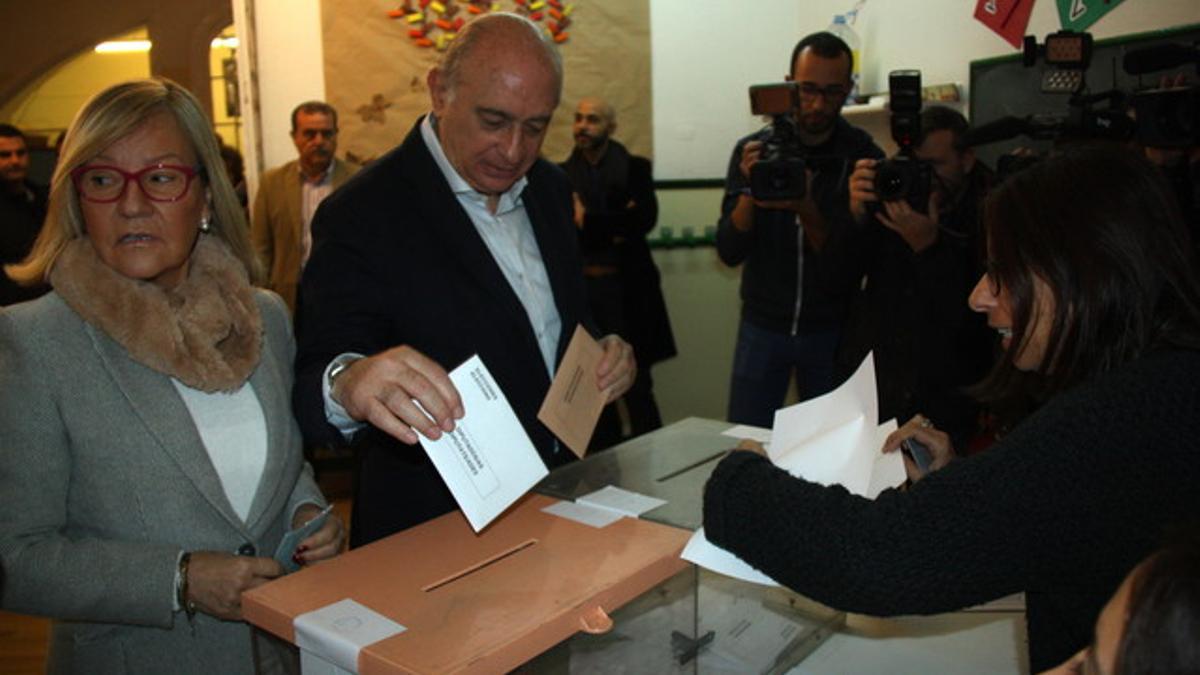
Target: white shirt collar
(459,186)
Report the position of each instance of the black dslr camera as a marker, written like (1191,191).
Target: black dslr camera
(904,176)
(780,173)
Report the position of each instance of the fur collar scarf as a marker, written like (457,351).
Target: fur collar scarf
(206,332)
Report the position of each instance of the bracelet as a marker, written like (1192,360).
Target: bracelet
(181,588)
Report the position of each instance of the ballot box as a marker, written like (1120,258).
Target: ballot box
(740,627)
(672,463)
(439,598)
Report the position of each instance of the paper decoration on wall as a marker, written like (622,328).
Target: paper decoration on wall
(373,112)
(434,23)
(1079,15)
(1008,18)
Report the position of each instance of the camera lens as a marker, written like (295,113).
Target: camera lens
(891,181)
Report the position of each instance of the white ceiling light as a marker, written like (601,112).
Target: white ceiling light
(123,46)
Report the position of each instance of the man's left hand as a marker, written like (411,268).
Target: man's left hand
(617,369)
(918,230)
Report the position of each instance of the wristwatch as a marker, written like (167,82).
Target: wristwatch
(339,366)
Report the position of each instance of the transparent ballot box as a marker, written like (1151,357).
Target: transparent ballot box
(739,627)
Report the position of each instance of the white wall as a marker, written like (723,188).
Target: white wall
(290,69)
(705,55)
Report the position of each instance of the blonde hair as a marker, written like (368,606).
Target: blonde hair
(108,117)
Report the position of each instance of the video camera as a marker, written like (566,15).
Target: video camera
(904,176)
(780,173)
(1166,117)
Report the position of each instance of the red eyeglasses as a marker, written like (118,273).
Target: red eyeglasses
(160,183)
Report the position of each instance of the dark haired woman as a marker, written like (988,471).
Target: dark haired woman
(1091,288)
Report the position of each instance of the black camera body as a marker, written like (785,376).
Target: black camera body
(1168,118)
(904,176)
(781,173)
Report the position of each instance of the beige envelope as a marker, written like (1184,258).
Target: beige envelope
(573,404)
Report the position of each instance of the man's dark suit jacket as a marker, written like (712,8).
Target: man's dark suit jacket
(397,261)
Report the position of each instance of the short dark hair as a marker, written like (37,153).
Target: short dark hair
(827,46)
(940,118)
(1164,614)
(314,108)
(9,131)
(1118,265)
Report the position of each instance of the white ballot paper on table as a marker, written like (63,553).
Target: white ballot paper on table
(488,461)
(831,440)
(605,506)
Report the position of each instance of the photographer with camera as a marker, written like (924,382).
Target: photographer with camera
(794,238)
(920,255)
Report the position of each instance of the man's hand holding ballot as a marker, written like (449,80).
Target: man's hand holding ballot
(385,389)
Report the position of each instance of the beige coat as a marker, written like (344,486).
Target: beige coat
(276,224)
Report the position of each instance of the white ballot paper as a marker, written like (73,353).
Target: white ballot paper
(605,506)
(740,431)
(488,461)
(831,440)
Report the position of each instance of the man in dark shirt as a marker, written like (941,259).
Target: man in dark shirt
(22,210)
(795,285)
(919,267)
(615,208)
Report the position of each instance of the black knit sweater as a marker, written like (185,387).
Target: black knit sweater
(1062,508)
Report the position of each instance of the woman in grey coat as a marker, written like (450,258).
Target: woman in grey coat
(149,461)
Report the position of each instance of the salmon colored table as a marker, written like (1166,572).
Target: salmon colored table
(480,603)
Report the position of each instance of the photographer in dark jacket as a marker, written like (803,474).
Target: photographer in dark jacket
(795,286)
(918,267)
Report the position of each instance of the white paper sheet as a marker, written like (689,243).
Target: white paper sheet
(828,440)
(622,501)
(336,633)
(582,513)
(746,431)
(605,506)
(717,559)
(488,461)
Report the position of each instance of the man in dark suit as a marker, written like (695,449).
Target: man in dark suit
(455,243)
(615,208)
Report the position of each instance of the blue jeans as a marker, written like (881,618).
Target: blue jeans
(763,363)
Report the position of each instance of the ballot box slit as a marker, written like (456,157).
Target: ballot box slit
(693,465)
(480,565)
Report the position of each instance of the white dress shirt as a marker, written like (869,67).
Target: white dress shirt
(312,193)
